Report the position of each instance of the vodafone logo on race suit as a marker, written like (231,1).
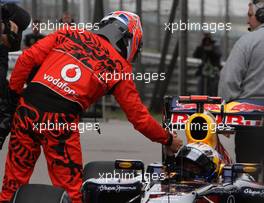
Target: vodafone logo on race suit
(69,73)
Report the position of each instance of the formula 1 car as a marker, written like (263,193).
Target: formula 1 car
(200,172)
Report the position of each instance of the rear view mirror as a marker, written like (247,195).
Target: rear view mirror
(230,172)
(246,168)
(129,164)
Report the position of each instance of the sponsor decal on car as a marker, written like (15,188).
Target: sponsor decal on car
(253,192)
(180,118)
(116,188)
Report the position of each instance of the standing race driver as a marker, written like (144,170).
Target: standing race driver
(74,73)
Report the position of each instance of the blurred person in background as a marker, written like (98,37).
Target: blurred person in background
(6,108)
(208,70)
(67,18)
(76,69)
(14,21)
(242,79)
(13,16)
(33,37)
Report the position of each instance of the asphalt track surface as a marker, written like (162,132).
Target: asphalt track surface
(118,140)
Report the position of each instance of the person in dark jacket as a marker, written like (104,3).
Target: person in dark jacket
(208,70)
(15,20)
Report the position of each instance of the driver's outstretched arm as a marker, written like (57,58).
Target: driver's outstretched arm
(127,96)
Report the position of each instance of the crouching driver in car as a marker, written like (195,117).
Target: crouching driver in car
(74,66)
(200,162)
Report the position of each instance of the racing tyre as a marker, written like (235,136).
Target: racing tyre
(33,193)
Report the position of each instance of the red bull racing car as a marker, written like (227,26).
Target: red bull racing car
(200,172)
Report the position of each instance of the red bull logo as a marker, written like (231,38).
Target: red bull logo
(180,106)
(247,107)
(212,107)
(231,107)
(208,107)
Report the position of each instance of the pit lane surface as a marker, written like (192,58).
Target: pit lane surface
(118,140)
